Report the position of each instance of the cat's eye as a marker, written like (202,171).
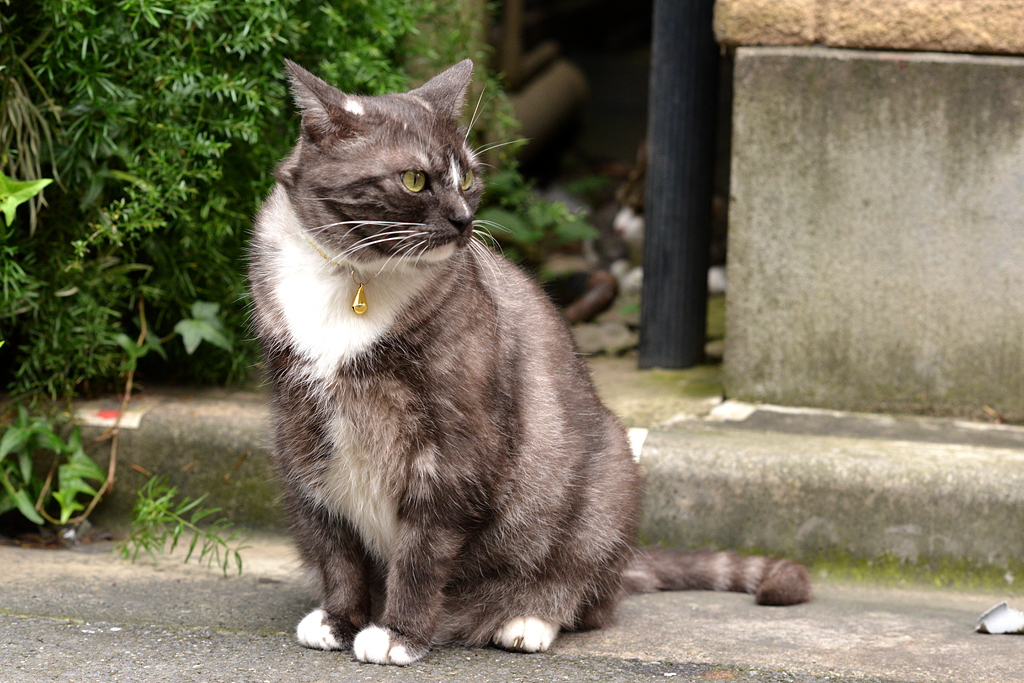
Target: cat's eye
(414,181)
(467,180)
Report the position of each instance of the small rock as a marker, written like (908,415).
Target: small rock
(608,337)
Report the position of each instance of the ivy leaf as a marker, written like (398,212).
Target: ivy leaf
(77,469)
(72,477)
(22,501)
(15,192)
(204,325)
(68,504)
(14,439)
(205,310)
(25,462)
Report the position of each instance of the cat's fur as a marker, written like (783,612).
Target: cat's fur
(450,473)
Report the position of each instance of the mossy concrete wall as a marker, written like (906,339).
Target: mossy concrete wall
(213,443)
(876,239)
(808,497)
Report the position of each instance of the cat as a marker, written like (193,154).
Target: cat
(449,471)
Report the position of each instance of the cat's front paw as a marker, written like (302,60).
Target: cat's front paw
(526,634)
(383,646)
(320,632)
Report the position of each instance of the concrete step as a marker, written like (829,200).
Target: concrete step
(816,484)
(820,486)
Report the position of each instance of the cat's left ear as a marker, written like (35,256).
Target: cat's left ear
(446,92)
(327,113)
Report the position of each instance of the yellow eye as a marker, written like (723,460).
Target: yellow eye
(414,181)
(467,180)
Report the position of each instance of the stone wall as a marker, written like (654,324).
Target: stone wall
(974,26)
(876,244)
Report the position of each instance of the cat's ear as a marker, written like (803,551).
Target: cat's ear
(327,113)
(446,92)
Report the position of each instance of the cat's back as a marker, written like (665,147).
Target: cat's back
(562,416)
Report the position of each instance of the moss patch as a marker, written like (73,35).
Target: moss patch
(715,329)
(946,572)
(646,397)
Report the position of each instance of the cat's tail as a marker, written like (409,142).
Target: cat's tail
(771,580)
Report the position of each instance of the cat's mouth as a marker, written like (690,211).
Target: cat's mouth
(438,246)
(439,252)
(423,248)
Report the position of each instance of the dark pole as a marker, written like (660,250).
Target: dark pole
(680,171)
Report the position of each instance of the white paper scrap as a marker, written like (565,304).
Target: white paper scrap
(104,413)
(637,436)
(1001,619)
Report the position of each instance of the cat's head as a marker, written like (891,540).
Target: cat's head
(386,177)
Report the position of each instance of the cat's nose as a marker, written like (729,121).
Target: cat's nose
(461,220)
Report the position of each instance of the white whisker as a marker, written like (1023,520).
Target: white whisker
(369,242)
(483,256)
(476,112)
(399,253)
(495,145)
(374,240)
(491,224)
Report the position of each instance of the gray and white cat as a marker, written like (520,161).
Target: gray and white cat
(450,473)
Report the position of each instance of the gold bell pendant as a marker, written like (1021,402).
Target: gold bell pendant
(359,303)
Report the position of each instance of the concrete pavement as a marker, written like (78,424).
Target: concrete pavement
(87,615)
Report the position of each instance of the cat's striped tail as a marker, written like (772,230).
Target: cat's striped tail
(771,580)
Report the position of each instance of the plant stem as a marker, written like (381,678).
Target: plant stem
(108,485)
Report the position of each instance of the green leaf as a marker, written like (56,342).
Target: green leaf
(68,504)
(158,519)
(125,342)
(22,501)
(193,332)
(15,192)
(14,439)
(576,230)
(134,351)
(44,437)
(204,325)
(153,344)
(519,230)
(25,461)
(72,477)
(205,310)
(6,503)
(80,467)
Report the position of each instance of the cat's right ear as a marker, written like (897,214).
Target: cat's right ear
(327,113)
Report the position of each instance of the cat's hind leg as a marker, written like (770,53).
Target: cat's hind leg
(526,634)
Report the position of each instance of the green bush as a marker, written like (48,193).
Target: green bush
(161,121)
(137,138)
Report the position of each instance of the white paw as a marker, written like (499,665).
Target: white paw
(373,644)
(314,632)
(528,634)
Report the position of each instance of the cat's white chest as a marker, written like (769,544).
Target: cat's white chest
(315,296)
(356,486)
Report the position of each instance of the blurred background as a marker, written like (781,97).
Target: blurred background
(838,184)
